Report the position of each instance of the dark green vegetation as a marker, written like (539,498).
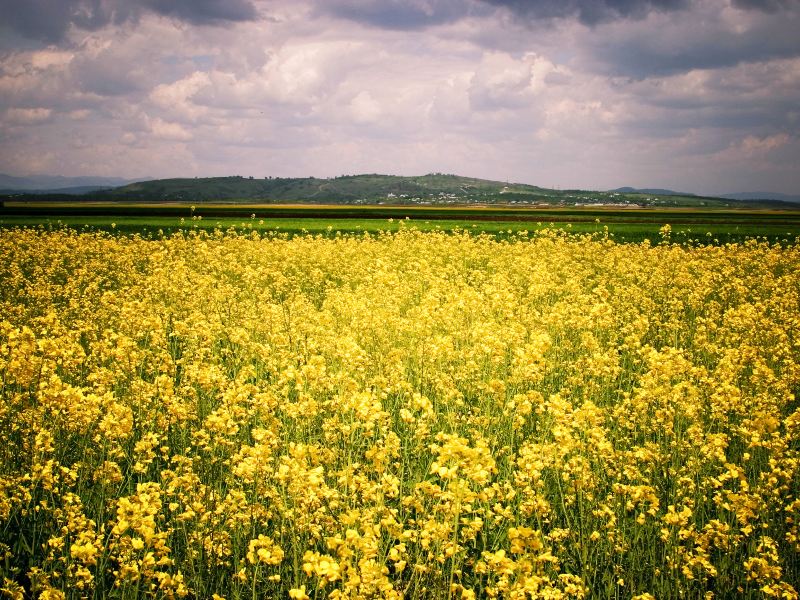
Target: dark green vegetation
(432,189)
(625,225)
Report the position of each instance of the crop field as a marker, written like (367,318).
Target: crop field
(689,225)
(401,414)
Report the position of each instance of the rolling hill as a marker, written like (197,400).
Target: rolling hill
(345,189)
(430,189)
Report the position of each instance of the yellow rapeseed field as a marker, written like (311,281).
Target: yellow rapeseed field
(410,415)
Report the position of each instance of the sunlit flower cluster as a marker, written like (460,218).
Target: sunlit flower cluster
(408,415)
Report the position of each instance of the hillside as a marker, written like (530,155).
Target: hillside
(431,189)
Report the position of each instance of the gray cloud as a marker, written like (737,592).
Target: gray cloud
(398,14)
(418,14)
(46,20)
(406,15)
(765,5)
(758,98)
(204,12)
(688,94)
(589,12)
(49,20)
(683,45)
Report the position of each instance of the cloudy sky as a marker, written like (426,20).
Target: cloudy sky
(694,95)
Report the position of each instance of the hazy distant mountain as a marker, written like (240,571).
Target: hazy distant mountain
(654,191)
(67,191)
(762,196)
(743,196)
(58,183)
